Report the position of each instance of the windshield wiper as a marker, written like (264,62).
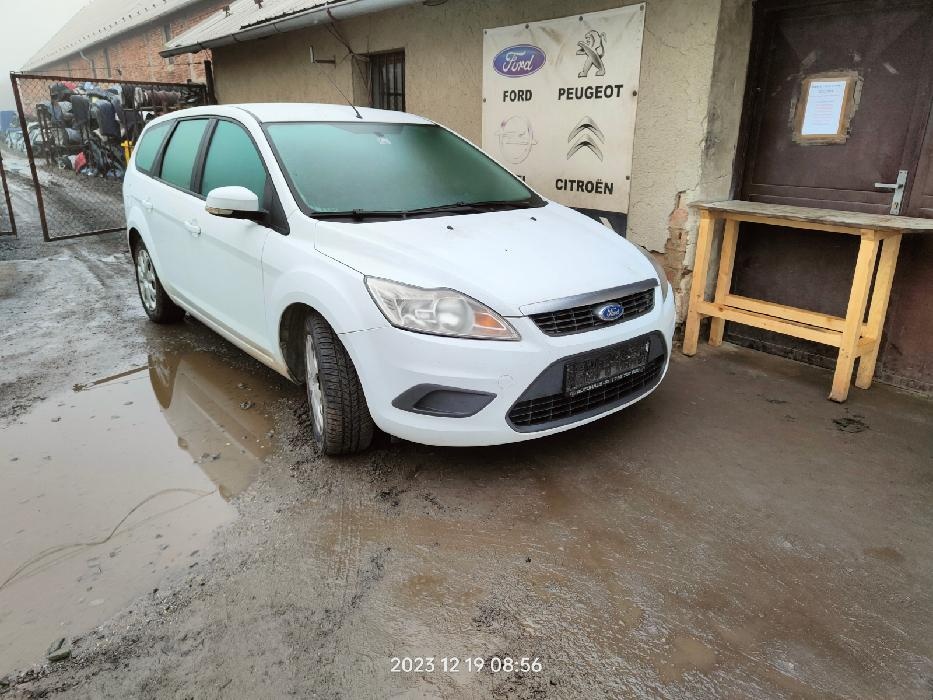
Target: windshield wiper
(360,214)
(477,206)
(456,207)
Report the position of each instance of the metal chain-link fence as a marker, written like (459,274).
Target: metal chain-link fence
(77,134)
(7,220)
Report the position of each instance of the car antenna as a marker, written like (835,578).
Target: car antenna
(333,61)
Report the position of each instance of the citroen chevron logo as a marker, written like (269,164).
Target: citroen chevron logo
(586,134)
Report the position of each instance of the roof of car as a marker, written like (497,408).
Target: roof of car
(306,112)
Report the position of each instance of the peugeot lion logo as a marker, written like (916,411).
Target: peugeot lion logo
(609,312)
(593,48)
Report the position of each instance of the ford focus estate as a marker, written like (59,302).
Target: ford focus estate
(401,274)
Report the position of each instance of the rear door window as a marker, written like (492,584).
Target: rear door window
(232,159)
(148,148)
(182,152)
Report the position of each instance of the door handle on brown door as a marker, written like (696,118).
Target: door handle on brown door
(898,188)
(193,227)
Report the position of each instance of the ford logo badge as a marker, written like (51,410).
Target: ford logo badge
(609,312)
(519,61)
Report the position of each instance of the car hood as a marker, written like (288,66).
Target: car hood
(504,259)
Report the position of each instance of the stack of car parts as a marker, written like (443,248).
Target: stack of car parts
(76,134)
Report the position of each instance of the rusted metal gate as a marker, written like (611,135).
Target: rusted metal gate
(7,219)
(77,133)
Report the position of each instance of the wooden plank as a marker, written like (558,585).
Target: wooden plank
(884,279)
(770,323)
(730,236)
(793,223)
(830,218)
(855,313)
(788,313)
(698,286)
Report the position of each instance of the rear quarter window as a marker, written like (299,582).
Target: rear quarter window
(148,148)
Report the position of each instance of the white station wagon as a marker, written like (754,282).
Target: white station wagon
(411,282)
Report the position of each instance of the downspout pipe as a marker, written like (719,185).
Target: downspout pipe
(90,62)
(313,17)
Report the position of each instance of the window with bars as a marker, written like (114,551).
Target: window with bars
(387,80)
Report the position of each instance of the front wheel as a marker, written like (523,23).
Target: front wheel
(156,303)
(340,419)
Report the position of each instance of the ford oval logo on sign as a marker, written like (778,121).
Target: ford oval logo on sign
(609,312)
(519,61)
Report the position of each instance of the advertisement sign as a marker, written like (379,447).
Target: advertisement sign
(559,100)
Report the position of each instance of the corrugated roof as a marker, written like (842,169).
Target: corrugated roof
(99,21)
(243,14)
(249,19)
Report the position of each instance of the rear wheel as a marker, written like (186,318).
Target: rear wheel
(156,303)
(340,419)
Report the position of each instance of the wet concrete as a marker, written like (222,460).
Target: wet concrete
(734,535)
(112,484)
(738,559)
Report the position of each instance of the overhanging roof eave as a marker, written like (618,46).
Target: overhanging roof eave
(336,9)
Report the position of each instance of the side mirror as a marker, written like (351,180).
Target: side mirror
(234,203)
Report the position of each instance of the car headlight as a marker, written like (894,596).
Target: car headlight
(438,311)
(662,276)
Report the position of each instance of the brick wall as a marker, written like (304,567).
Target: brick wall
(135,55)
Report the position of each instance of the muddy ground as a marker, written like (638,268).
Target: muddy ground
(734,535)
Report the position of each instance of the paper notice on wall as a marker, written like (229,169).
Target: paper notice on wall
(559,101)
(822,115)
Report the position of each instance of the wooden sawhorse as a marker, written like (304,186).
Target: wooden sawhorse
(857,338)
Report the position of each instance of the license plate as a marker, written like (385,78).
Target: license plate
(608,367)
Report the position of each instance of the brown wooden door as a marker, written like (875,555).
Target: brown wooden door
(887,48)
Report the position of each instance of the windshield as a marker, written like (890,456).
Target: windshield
(358,168)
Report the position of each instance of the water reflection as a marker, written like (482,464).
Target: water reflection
(99,504)
(220,420)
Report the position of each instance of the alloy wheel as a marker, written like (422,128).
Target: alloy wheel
(146,279)
(315,394)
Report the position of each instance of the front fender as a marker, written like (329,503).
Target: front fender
(335,291)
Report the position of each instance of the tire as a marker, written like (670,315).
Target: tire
(156,303)
(340,419)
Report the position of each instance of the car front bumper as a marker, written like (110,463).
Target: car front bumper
(391,362)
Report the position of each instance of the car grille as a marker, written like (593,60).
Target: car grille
(583,318)
(558,408)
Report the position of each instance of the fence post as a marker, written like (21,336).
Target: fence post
(8,199)
(29,153)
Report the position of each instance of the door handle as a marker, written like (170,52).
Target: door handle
(147,204)
(898,188)
(193,227)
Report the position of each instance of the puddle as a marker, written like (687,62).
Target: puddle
(217,414)
(109,487)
